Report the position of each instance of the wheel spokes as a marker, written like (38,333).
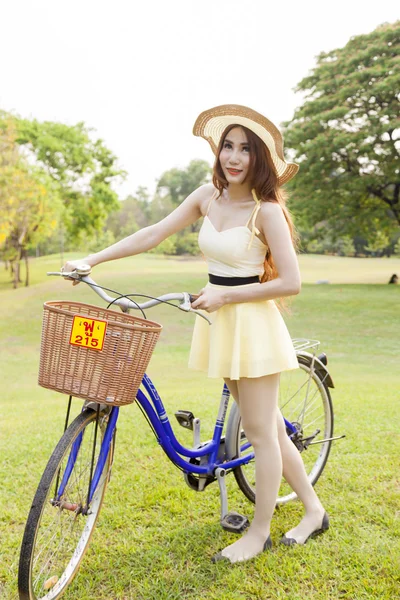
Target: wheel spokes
(63,532)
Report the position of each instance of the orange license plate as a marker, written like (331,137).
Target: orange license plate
(89,333)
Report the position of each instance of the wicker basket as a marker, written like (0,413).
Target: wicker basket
(106,363)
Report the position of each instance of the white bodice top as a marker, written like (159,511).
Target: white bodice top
(234,252)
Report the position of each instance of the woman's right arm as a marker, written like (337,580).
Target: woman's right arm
(149,237)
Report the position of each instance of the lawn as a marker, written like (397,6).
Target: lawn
(155,536)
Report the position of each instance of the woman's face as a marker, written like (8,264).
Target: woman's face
(235,156)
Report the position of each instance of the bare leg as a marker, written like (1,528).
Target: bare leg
(258,409)
(296,476)
(233,388)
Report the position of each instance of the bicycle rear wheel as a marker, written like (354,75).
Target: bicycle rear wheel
(58,530)
(305,401)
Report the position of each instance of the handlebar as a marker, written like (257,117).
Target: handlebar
(82,272)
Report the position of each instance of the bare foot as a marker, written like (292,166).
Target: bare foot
(253,542)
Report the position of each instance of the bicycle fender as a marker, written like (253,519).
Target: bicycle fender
(230,442)
(319,367)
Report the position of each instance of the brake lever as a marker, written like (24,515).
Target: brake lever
(187,306)
(82,270)
(197,312)
(71,275)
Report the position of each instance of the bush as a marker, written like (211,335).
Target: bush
(101,241)
(168,246)
(187,243)
(345,246)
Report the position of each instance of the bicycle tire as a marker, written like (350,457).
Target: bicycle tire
(316,455)
(56,566)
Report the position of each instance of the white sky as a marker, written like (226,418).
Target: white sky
(141,72)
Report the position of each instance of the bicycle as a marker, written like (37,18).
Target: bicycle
(69,497)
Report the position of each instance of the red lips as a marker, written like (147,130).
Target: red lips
(233,171)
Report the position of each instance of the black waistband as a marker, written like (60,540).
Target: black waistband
(217,280)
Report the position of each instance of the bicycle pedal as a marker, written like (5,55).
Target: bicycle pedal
(234,522)
(185,418)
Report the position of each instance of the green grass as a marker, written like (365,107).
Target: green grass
(313,268)
(155,536)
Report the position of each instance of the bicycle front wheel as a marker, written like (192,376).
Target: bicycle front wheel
(305,401)
(59,526)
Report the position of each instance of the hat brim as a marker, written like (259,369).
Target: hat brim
(211,124)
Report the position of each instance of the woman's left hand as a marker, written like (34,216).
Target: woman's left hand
(209,300)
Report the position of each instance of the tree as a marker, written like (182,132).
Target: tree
(83,169)
(176,184)
(133,213)
(9,158)
(378,244)
(51,173)
(172,188)
(122,222)
(29,204)
(345,137)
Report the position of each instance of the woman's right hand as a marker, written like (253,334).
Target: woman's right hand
(72,265)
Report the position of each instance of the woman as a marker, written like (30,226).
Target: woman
(247,239)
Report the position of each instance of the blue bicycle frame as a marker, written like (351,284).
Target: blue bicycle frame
(155,411)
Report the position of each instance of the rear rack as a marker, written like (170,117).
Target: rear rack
(304,344)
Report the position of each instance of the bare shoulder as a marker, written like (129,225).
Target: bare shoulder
(204,194)
(272,219)
(271,214)
(270,209)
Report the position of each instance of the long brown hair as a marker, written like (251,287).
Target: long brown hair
(264,180)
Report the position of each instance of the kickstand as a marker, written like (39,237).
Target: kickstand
(230,521)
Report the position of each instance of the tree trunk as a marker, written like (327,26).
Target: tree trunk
(19,270)
(26,269)
(20,257)
(16,274)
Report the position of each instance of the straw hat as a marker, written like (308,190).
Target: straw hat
(211,124)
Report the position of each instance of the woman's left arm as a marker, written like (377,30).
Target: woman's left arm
(275,229)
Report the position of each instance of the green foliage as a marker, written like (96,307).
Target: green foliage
(102,240)
(82,168)
(380,242)
(160,207)
(176,184)
(124,221)
(9,159)
(318,240)
(29,203)
(341,247)
(187,243)
(139,211)
(179,183)
(345,137)
(345,246)
(55,186)
(173,187)
(167,246)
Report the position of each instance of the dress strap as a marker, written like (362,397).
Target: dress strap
(252,218)
(215,194)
